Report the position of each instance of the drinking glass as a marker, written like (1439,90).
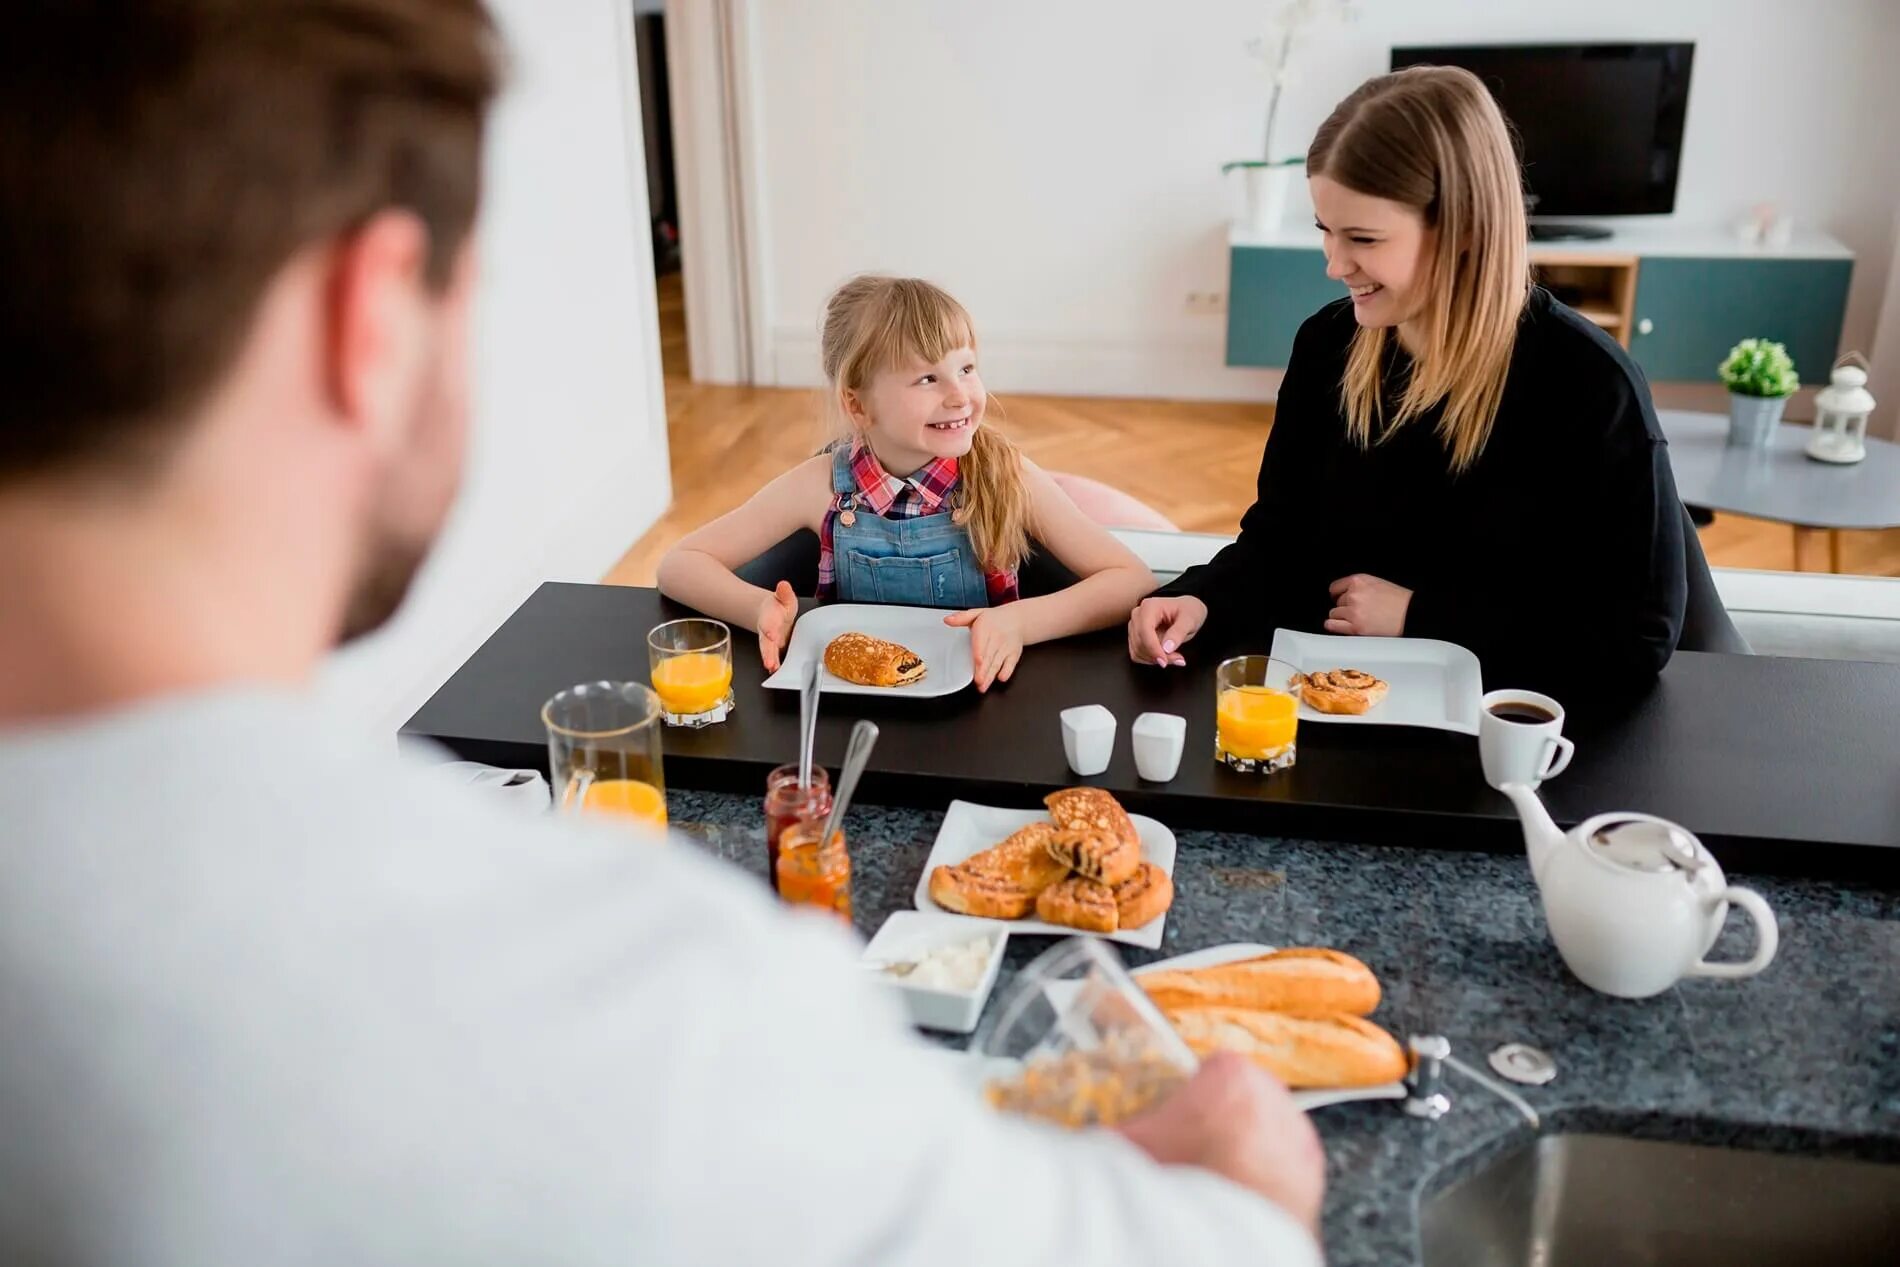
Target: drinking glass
(604,751)
(787,803)
(692,670)
(1084,1044)
(1256,714)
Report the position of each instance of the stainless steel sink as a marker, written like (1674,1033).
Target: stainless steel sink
(1599,1200)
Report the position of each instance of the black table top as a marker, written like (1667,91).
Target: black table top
(1782,765)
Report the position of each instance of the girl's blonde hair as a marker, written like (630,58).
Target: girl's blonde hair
(875,323)
(1432,138)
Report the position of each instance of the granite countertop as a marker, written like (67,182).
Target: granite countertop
(1804,1058)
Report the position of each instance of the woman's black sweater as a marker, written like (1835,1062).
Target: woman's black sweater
(1557,556)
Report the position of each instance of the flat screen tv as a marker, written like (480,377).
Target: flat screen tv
(1600,125)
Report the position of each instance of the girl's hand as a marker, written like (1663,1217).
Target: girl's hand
(996,641)
(1160,627)
(1367,606)
(776,615)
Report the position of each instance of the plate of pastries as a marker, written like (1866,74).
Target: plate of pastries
(1382,681)
(873,649)
(1299,1013)
(1082,864)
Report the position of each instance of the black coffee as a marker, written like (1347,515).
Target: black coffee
(1521,712)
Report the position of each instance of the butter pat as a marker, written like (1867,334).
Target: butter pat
(958,967)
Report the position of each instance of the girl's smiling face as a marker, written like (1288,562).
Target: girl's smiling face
(1381,250)
(918,410)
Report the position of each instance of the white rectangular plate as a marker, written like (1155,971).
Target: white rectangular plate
(1435,684)
(970,829)
(1317,1098)
(946,650)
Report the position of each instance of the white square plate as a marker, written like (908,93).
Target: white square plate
(1317,1098)
(1435,684)
(970,829)
(946,650)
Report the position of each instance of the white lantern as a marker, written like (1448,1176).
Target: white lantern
(1840,417)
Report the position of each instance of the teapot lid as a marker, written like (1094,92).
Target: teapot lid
(1647,844)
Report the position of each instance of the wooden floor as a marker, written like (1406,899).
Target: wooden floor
(1194,461)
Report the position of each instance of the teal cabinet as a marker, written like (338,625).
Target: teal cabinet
(1270,291)
(1691,311)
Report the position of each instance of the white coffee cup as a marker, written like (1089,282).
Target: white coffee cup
(1522,751)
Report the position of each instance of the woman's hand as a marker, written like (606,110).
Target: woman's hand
(996,641)
(1160,627)
(1368,607)
(776,616)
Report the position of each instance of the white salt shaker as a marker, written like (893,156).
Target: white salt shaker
(1088,738)
(1158,739)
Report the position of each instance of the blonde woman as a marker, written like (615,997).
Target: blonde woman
(1454,453)
(920,503)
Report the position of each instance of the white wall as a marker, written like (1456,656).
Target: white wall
(1056,164)
(568,463)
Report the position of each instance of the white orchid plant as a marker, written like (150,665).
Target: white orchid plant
(1290,22)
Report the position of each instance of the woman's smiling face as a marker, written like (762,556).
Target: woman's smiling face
(1382,251)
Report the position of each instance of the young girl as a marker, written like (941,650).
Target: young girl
(920,502)
(1454,453)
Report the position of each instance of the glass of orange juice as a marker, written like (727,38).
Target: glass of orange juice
(604,752)
(1256,715)
(692,670)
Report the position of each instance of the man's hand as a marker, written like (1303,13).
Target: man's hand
(996,641)
(1235,1119)
(776,616)
(1160,627)
(1367,606)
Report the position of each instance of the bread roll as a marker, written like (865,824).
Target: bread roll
(1301,981)
(1002,881)
(1301,1051)
(1350,692)
(1142,897)
(867,661)
(1079,902)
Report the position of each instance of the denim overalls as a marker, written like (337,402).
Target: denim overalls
(924,561)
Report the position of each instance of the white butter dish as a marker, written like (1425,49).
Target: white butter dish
(908,937)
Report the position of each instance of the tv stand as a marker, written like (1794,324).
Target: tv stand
(1546,231)
(1677,296)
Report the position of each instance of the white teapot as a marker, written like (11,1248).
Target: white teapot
(1633,901)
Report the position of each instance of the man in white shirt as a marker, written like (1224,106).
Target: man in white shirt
(265,999)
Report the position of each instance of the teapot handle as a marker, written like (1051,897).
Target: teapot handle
(1767,937)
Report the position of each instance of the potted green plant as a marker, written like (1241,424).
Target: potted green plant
(1267,179)
(1760,377)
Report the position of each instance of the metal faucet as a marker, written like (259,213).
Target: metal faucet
(1425,1096)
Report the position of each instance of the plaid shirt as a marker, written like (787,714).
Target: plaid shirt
(884,494)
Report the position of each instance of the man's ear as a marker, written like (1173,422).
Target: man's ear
(377,319)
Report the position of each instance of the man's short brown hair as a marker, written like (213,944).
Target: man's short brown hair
(161,160)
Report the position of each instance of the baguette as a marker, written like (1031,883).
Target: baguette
(1300,981)
(1301,1051)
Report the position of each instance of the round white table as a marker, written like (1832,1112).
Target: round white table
(1781,482)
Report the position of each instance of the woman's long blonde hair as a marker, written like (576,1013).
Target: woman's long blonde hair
(875,323)
(1432,138)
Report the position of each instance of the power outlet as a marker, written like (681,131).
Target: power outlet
(1207,302)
